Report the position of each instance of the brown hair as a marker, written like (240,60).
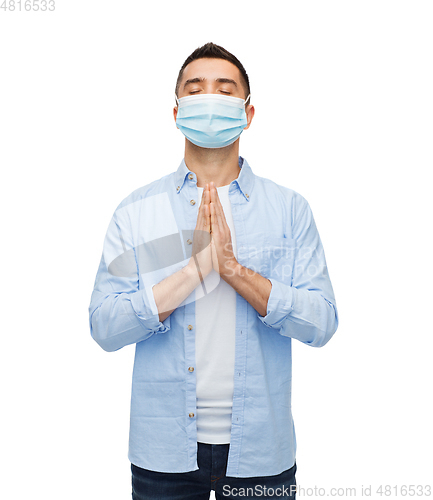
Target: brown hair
(211,50)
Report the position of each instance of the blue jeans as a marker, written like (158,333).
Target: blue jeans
(196,485)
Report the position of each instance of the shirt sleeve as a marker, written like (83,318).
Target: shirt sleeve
(120,313)
(303,306)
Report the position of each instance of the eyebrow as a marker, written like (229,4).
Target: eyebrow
(202,79)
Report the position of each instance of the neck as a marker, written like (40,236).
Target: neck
(220,165)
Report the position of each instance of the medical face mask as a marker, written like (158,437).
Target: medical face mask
(211,120)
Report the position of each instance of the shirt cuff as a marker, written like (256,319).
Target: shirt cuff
(144,305)
(280,305)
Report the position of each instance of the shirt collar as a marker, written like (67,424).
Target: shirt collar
(245,179)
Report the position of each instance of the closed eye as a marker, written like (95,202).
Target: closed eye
(197,91)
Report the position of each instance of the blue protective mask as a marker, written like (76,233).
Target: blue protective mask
(211,120)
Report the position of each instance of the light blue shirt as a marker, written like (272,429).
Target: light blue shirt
(149,237)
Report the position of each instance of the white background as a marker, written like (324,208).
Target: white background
(343,98)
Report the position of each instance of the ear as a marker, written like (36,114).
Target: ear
(175,114)
(250,115)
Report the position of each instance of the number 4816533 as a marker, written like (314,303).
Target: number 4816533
(19,5)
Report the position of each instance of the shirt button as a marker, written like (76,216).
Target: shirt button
(178,187)
(191,369)
(191,415)
(246,194)
(189,241)
(189,327)
(190,176)
(192,202)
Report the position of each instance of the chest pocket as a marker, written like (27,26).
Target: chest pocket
(272,257)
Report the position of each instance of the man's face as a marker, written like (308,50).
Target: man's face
(213,76)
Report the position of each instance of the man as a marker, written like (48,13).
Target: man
(212,271)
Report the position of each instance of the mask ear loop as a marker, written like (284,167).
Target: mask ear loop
(246,100)
(177,100)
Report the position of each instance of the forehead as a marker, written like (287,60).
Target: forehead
(210,69)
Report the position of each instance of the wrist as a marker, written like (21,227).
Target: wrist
(194,271)
(232,270)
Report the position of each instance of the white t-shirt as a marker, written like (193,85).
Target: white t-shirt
(215,350)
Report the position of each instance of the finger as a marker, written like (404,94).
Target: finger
(219,212)
(202,236)
(214,220)
(208,201)
(207,218)
(206,211)
(204,216)
(201,219)
(203,208)
(203,196)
